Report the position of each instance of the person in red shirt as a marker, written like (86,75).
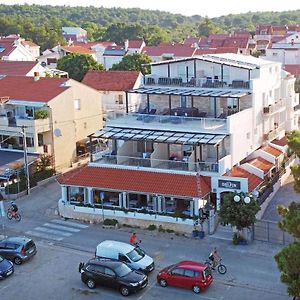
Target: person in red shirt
(132,239)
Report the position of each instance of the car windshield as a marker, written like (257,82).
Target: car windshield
(122,270)
(136,254)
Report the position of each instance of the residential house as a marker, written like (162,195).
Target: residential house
(168,51)
(33,48)
(113,55)
(12,49)
(71,48)
(57,113)
(21,68)
(112,85)
(134,46)
(75,34)
(208,125)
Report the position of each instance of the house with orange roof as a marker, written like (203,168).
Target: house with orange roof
(75,34)
(112,86)
(57,114)
(71,48)
(206,127)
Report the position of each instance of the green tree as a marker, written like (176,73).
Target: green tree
(294,144)
(288,259)
(132,62)
(207,27)
(239,214)
(77,65)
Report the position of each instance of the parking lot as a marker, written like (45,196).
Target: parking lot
(53,274)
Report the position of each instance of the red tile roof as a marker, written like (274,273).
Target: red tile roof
(179,50)
(111,80)
(282,142)
(253,180)
(29,43)
(293,69)
(77,49)
(16,68)
(135,43)
(137,181)
(26,89)
(8,45)
(271,150)
(217,50)
(261,164)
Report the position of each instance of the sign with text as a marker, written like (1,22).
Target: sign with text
(229,184)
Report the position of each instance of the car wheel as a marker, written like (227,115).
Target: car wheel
(124,291)
(196,289)
(163,282)
(18,260)
(91,283)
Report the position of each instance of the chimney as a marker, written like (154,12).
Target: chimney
(36,76)
(126,44)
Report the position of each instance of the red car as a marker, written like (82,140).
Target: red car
(186,274)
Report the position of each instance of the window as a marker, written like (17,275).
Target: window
(178,272)
(29,111)
(109,272)
(40,139)
(183,101)
(189,273)
(77,104)
(119,99)
(123,258)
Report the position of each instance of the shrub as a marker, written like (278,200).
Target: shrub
(110,222)
(160,229)
(170,231)
(152,227)
(41,114)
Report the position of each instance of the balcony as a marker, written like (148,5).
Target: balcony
(34,125)
(157,122)
(205,82)
(272,134)
(277,107)
(180,165)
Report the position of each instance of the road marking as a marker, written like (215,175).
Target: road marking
(55,226)
(44,235)
(69,223)
(52,231)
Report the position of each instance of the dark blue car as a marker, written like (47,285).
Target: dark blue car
(6,268)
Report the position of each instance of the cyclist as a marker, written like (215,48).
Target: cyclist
(214,257)
(14,208)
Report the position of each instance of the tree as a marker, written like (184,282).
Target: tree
(288,259)
(132,62)
(294,144)
(77,65)
(207,27)
(239,214)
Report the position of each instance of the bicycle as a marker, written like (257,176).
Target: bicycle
(222,269)
(11,214)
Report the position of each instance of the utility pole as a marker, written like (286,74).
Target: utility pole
(26,169)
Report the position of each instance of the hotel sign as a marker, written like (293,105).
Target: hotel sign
(229,184)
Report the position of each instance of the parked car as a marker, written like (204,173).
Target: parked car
(133,256)
(17,249)
(186,274)
(114,274)
(6,268)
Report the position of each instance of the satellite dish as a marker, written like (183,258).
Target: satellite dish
(57,132)
(43,64)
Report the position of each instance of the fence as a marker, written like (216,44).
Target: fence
(268,231)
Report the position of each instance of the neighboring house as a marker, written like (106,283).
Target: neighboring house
(75,34)
(134,46)
(207,126)
(65,50)
(97,48)
(113,55)
(12,49)
(22,68)
(50,57)
(33,48)
(112,86)
(71,111)
(168,51)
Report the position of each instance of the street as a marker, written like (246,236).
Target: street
(62,244)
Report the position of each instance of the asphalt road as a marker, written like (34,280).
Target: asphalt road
(62,244)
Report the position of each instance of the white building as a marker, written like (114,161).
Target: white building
(208,125)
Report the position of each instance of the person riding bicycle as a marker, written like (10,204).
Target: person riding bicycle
(14,208)
(214,257)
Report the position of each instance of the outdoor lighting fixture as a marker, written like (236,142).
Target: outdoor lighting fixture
(237,199)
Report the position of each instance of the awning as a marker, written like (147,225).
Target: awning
(159,136)
(201,92)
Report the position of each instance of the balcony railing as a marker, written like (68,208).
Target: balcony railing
(274,108)
(175,122)
(106,158)
(195,82)
(272,134)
